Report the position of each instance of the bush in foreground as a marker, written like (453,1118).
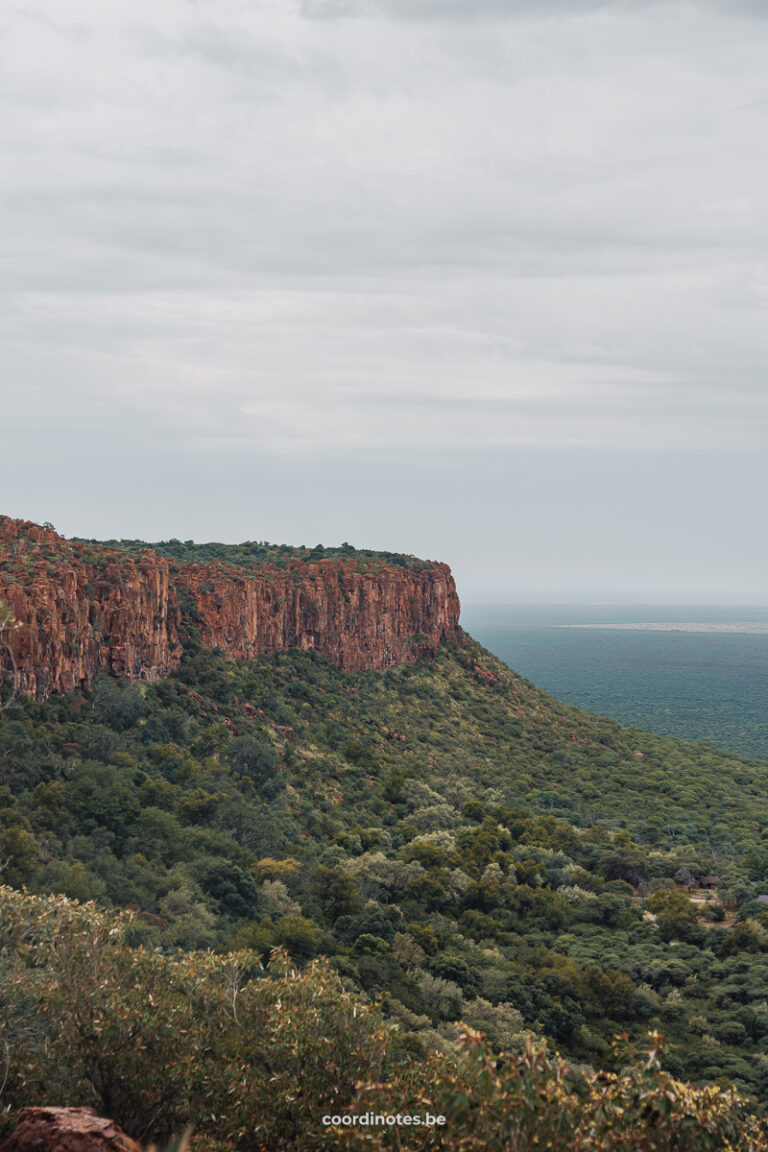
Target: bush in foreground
(534,1101)
(249,1057)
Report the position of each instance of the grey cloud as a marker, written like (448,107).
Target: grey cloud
(752,8)
(220,47)
(335,9)
(430,269)
(494,11)
(461,11)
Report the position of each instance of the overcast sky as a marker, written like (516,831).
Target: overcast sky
(482,280)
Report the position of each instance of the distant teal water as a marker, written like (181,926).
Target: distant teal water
(703,685)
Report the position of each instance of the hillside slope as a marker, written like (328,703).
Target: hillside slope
(443,831)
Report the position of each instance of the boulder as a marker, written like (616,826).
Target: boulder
(67,1130)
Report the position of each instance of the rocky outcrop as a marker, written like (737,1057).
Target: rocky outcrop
(67,1130)
(81,613)
(84,609)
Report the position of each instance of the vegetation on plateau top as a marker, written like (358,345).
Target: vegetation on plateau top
(255,553)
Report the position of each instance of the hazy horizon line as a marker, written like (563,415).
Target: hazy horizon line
(596,597)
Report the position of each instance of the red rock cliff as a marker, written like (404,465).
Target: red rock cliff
(83,609)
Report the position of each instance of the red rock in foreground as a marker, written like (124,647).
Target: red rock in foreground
(85,609)
(67,1130)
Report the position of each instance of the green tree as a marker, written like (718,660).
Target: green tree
(674,912)
(19,860)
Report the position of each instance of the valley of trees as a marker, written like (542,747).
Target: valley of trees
(447,848)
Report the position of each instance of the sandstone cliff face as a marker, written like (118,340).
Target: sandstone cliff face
(85,609)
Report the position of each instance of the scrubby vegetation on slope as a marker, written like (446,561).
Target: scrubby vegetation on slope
(449,837)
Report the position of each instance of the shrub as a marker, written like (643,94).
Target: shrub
(158,1042)
(532,1101)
